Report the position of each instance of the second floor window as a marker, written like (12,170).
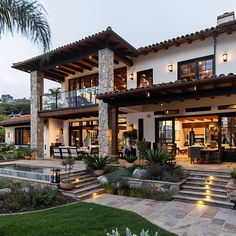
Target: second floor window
(197,68)
(144,78)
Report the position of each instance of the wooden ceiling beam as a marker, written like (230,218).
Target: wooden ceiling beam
(76,67)
(53,76)
(56,72)
(89,62)
(81,65)
(65,69)
(123,59)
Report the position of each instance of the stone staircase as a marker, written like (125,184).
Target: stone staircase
(205,187)
(85,186)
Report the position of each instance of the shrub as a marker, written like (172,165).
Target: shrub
(130,158)
(233,173)
(117,175)
(109,188)
(139,193)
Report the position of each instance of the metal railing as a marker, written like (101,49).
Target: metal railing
(69,99)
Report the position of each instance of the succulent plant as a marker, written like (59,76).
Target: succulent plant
(129,233)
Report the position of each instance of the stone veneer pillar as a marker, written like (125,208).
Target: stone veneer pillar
(106,84)
(36,123)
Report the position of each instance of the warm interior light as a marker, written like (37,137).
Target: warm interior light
(131,76)
(170,68)
(90,57)
(225,57)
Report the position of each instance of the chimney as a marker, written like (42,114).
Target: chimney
(225,18)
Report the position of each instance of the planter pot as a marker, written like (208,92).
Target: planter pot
(99,172)
(66,185)
(127,165)
(28,157)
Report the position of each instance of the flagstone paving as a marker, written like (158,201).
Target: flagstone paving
(185,219)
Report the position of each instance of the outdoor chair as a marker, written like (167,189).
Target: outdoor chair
(73,152)
(56,153)
(195,154)
(94,151)
(65,152)
(216,157)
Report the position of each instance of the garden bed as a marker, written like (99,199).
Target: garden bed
(16,196)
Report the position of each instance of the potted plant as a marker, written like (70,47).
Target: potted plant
(66,183)
(130,159)
(233,175)
(29,153)
(97,164)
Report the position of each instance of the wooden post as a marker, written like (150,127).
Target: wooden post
(114,134)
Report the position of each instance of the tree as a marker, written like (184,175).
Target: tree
(27,18)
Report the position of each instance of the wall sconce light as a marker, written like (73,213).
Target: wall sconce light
(131,76)
(170,68)
(225,57)
(8,134)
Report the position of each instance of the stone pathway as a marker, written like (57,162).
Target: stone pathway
(185,219)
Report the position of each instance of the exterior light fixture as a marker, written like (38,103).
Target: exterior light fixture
(225,57)
(170,68)
(131,76)
(148,94)
(161,104)
(55,177)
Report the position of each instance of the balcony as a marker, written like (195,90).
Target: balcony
(69,99)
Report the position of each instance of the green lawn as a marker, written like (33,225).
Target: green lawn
(83,219)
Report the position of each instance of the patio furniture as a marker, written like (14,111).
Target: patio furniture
(65,152)
(73,152)
(94,151)
(56,152)
(216,156)
(195,154)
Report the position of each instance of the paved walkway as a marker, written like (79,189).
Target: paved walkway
(181,218)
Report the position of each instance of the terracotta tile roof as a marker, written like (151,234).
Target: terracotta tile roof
(169,85)
(188,38)
(25,119)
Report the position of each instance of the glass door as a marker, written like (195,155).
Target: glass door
(165,130)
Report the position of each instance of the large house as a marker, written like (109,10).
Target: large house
(180,91)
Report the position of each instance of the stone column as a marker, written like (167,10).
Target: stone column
(106,84)
(36,123)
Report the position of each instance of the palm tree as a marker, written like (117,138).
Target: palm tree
(27,18)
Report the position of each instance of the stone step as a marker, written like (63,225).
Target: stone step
(85,180)
(198,189)
(205,185)
(92,193)
(205,195)
(206,181)
(81,185)
(85,189)
(203,201)
(210,172)
(208,176)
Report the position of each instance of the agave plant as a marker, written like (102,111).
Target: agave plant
(129,233)
(130,158)
(156,156)
(97,163)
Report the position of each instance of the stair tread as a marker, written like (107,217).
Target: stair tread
(205,179)
(202,183)
(203,189)
(219,202)
(85,180)
(212,172)
(208,175)
(89,193)
(86,188)
(81,185)
(203,194)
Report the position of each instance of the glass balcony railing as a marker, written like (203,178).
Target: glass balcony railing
(69,99)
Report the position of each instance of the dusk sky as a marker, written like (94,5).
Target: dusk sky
(139,22)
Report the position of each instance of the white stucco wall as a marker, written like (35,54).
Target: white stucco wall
(10,135)
(159,61)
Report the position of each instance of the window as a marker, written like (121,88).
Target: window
(228,130)
(144,78)
(22,136)
(199,68)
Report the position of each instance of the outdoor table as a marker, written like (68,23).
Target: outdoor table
(205,154)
